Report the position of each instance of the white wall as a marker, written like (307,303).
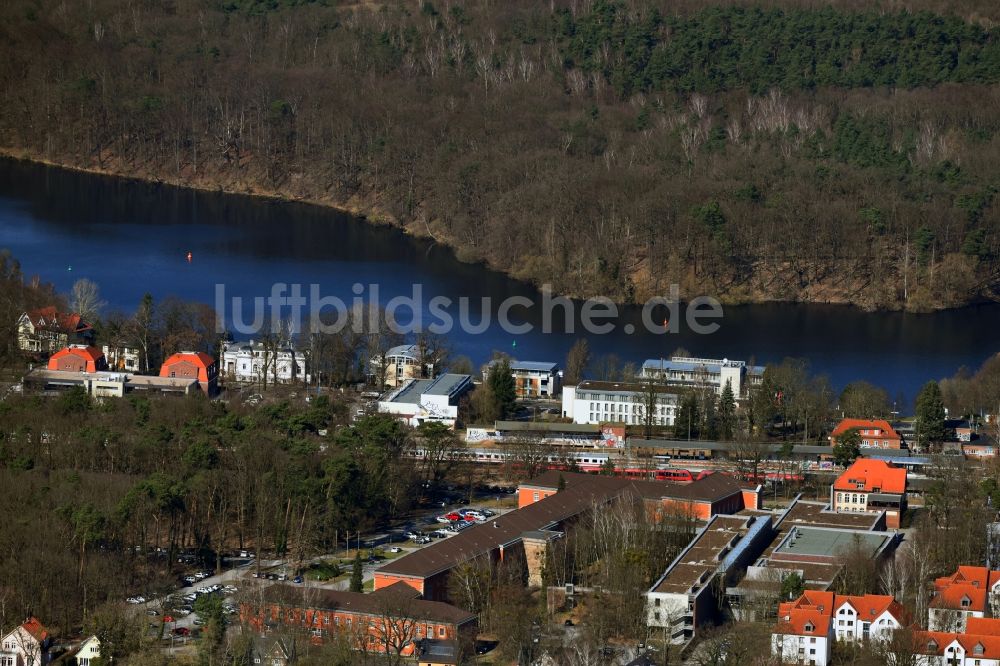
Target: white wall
(815,649)
(569,402)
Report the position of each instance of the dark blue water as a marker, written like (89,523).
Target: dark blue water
(132,237)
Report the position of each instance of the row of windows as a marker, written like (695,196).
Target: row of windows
(292,616)
(852,498)
(623,408)
(627,399)
(628,419)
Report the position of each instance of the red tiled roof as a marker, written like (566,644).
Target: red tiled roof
(982,626)
(886,431)
(36,629)
(979,576)
(941,641)
(872,474)
(871,606)
(794,614)
(951,596)
(200,359)
(51,319)
(87,353)
(804,622)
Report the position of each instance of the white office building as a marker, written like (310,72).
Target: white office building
(618,402)
(686,372)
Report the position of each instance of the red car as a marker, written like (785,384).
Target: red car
(182,631)
(453,516)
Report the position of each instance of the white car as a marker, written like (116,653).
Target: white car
(395,549)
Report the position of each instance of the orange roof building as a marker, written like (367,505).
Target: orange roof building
(193,365)
(875,433)
(978,645)
(870,485)
(968,595)
(78,358)
(808,626)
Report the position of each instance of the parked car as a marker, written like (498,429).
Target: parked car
(297,580)
(189,579)
(395,549)
(152,611)
(182,631)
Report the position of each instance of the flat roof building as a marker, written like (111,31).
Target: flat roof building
(532,379)
(418,401)
(684,597)
(544,509)
(619,402)
(687,372)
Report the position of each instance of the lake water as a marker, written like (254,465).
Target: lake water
(133,237)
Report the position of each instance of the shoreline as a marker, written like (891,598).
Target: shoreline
(373,215)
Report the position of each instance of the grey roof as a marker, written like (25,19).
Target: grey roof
(529,366)
(828,542)
(448,384)
(403,350)
(536,366)
(667,364)
(623,387)
(546,426)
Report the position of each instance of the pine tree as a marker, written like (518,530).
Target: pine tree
(504,390)
(357,574)
(930,416)
(709,417)
(727,412)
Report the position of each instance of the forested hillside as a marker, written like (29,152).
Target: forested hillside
(787,149)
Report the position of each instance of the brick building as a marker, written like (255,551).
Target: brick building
(544,514)
(78,358)
(393,619)
(193,365)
